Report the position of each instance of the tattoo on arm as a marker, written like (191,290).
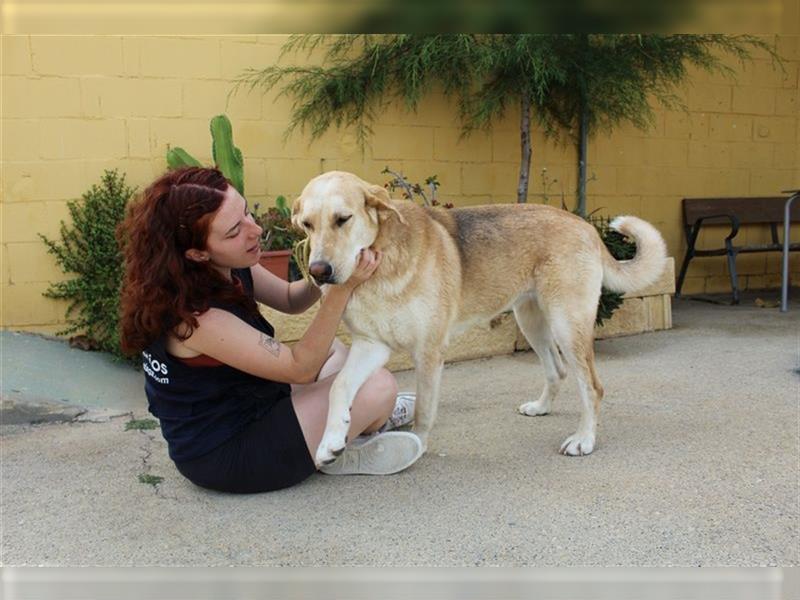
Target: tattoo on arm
(272,345)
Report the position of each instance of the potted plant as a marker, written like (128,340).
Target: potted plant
(278,240)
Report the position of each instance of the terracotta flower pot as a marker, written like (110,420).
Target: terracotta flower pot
(276,262)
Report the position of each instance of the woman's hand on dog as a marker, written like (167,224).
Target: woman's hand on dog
(368,261)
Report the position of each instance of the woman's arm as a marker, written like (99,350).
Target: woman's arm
(224,336)
(291,298)
(227,338)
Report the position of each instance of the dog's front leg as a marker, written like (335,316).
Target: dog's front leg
(429,376)
(365,357)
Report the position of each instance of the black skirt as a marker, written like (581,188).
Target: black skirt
(269,454)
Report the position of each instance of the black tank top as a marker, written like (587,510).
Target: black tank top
(201,407)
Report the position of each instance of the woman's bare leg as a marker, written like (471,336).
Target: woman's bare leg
(371,407)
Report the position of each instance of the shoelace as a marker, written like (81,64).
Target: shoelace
(399,413)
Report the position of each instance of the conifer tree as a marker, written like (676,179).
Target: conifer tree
(569,85)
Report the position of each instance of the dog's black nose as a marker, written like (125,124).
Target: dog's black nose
(321,271)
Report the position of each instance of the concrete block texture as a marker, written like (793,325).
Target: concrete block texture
(74,106)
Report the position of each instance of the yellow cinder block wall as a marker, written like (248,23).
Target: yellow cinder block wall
(75,106)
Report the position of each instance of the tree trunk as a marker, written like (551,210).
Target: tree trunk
(583,132)
(525,143)
(582,150)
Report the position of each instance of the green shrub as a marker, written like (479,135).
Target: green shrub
(620,248)
(88,248)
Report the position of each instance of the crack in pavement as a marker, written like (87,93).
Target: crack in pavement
(34,412)
(102,415)
(148,453)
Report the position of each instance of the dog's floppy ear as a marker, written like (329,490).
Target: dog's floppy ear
(297,207)
(377,197)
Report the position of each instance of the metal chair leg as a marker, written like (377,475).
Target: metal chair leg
(734,277)
(682,275)
(785,257)
(691,240)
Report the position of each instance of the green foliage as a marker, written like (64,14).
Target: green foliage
(276,221)
(227,157)
(613,77)
(618,245)
(617,74)
(88,248)
(279,233)
(413,190)
(608,303)
(620,248)
(363,73)
(150,479)
(610,78)
(141,424)
(178,157)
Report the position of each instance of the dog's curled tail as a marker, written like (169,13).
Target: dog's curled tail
(644,268)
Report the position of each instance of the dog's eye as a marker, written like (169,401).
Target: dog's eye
(342,220)
(308,226)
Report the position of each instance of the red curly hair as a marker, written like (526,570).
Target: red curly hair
(161,288)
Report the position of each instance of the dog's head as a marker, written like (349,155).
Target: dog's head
(341,214)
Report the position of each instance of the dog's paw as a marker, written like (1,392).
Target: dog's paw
(331,446)
(328,451)
(578,444)
(534,409)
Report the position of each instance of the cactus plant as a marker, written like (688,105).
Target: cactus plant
(178,157)
(227,157)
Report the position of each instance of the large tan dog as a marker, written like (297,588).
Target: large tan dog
(445,270)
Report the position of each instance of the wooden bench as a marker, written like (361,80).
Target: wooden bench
(698,212)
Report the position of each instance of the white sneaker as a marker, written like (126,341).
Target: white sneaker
(380,454)
(403,412)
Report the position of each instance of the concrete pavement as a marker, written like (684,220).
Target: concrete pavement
(696,464)
(44,380)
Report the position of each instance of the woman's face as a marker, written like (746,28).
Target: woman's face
(233,237)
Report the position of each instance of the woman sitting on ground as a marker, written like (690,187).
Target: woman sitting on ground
(240,411)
